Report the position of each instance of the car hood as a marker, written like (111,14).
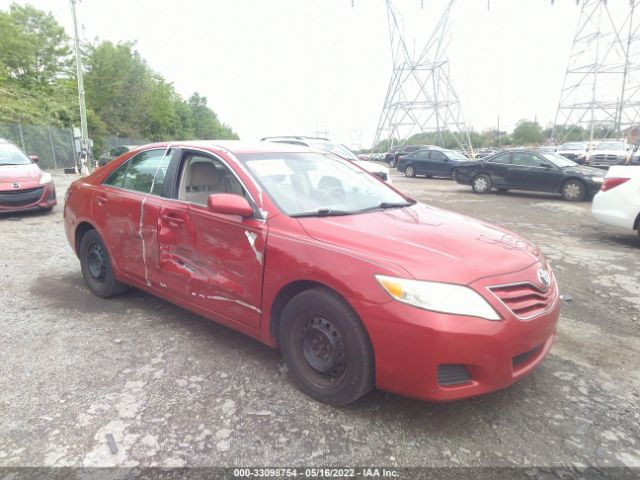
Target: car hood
(429,243)
(586,171)
(608,152)
(28,173)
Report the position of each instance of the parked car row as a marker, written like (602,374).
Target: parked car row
(616,192)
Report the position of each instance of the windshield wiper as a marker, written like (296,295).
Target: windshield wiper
(385,205)
(322,212)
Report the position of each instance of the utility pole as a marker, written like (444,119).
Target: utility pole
(84,139)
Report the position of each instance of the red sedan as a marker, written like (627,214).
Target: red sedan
(23,186)
(359,285)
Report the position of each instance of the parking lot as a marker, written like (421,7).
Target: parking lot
(177,390)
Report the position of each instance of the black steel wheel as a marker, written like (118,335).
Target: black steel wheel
(96,266)
(326,347)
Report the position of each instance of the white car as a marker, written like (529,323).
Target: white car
(618,202)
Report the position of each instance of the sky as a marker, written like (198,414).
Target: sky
(306,67)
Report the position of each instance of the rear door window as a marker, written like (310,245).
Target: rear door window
(143,173)
(504,158)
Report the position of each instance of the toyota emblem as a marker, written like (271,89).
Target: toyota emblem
(544,277)
(16,185)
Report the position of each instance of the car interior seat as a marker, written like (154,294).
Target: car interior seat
(203,179)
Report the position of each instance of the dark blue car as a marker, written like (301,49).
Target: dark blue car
(431,163)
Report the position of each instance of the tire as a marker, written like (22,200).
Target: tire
(96,267)
(410,171)
(392,163)
(573,191)
(326,347)
(454,174)
(481,183)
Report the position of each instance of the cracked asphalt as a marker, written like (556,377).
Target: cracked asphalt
(177,390)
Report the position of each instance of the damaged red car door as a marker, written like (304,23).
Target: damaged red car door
(213,259)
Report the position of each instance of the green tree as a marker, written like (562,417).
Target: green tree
(33,46)
(527,133)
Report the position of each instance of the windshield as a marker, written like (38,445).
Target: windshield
(610,146)
(12,155)
(559,160)
(573,146)
(319,184)
(340,150)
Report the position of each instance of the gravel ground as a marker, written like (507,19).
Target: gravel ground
(177,390)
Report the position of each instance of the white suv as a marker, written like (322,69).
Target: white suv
(618,202)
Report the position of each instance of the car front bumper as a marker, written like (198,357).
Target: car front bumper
(426,355)
(29,198)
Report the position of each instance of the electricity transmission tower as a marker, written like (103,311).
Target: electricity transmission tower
(420,97)
(601,91)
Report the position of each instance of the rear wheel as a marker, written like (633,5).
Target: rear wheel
(392,163)
(96,267)
(573,191)
(410,171)
(481,183)
(326,347)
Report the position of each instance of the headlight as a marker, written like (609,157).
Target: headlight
(438,297)
(45,178)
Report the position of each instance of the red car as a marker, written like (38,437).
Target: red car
(359,285)
(23,186)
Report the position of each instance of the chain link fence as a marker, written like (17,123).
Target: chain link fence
(56,147)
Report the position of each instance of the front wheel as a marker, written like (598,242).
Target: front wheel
(326,347)
(573,191)
(481,183)
(410,171)
(392,163)
(96,267)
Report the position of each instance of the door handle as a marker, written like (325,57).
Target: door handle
(101,199)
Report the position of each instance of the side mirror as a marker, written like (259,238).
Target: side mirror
(228,204)
(34,158)
(545,165)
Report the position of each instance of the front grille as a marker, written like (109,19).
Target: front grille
(18,198)
(525,300)
(605,159)
(450,374)
(381,175)
(523,357)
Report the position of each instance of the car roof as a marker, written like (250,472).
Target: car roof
(233,146)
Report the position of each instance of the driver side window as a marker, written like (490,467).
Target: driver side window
(203,176)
